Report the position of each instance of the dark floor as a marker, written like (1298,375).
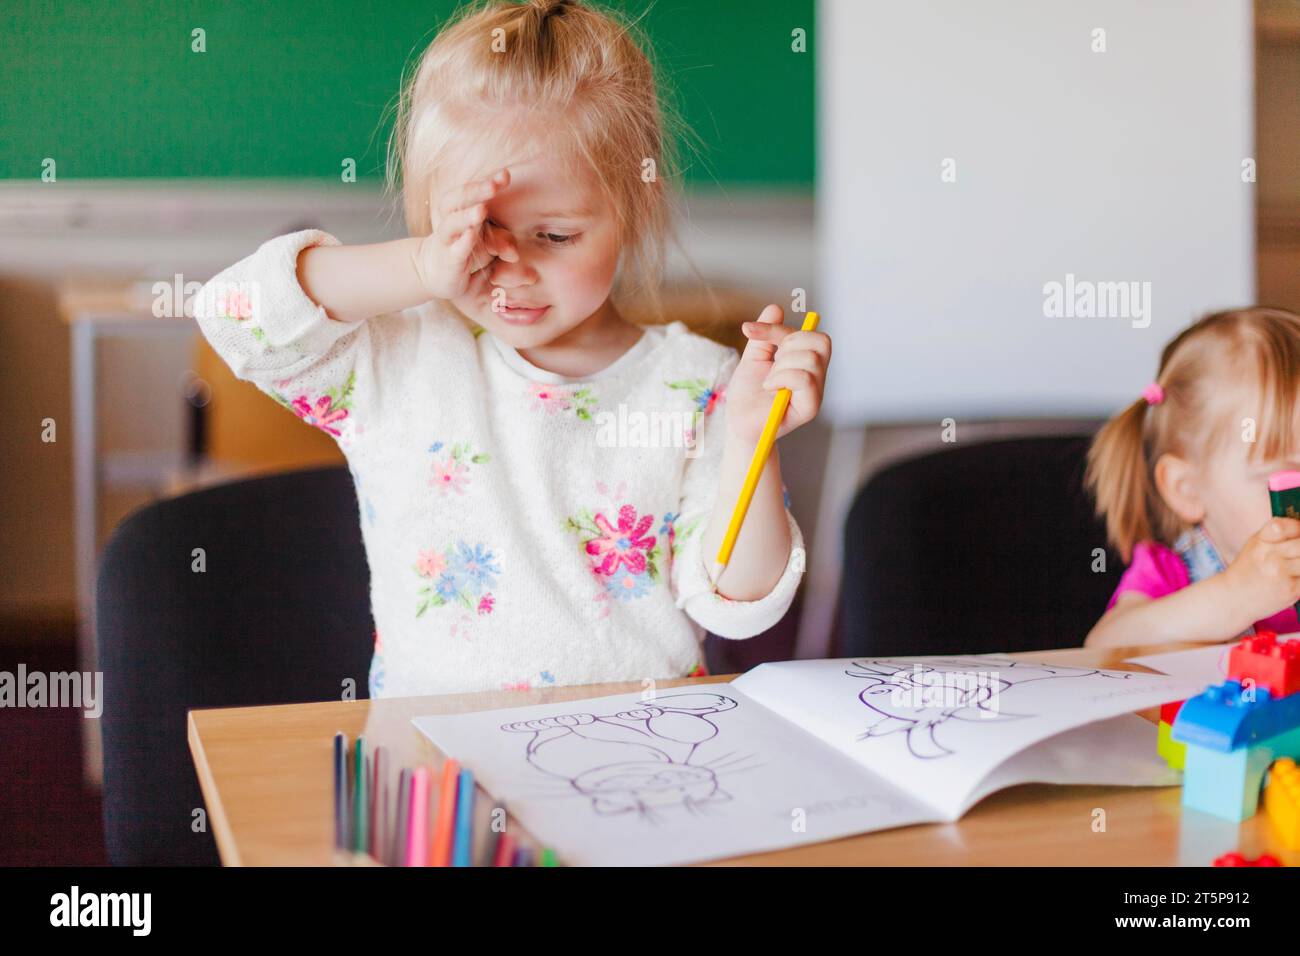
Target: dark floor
(46,816)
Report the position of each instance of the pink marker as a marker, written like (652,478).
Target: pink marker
(417,839)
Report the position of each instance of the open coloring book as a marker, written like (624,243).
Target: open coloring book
(804,751)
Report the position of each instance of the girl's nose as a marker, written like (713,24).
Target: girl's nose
(513,273)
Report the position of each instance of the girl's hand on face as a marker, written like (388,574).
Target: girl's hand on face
(1265,577)
(463,244)
(776,357)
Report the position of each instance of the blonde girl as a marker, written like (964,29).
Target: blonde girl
(1181,478)
(541,484)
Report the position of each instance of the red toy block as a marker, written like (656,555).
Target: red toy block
(1169,711)
(1268,662)
(1236,859)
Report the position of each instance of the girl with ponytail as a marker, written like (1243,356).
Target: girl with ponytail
(1180,477)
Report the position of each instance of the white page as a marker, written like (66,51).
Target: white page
(1120,752)
(938,726)
(697,773)
(1208,664)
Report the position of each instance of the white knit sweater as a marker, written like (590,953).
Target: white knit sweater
(522,528)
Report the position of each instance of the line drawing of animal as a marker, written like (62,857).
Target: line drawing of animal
(945,692)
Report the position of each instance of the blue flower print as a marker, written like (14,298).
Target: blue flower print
(626,586)
(475,567)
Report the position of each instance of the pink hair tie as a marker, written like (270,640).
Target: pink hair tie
(1154,394)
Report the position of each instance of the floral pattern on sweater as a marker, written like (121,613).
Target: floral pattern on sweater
(237,305)
(707,397)
(624,555)
(451,471)
(557,399)
(457,575)
(328,411)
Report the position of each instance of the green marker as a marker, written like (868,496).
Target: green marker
(359,799)
(1284,496)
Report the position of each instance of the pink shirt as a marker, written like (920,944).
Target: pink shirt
(1157,570)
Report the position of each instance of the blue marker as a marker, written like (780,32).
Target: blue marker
(460,855)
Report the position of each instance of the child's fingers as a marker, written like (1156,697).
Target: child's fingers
(818,342)
(1280,529)
(462,253)
(464,220)
(807,359)
(769,328)
(500,243)
(795,379)
(477,191)
(1287,548)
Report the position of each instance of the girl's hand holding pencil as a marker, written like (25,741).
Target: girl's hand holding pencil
(776,357)
(776,387)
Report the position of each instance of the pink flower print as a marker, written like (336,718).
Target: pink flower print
(235,305)
(548,398)
(618,492)
(556,398)
(517,685)
(430,563)
(486,603)
(323,415)
(449,475)
(625,545)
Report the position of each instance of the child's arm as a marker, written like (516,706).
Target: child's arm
(359,282)
(759,587)
(258,319)
(762,548)
(1262,580)
(1198,612)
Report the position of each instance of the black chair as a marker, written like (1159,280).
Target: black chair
(976,549)
(280,615)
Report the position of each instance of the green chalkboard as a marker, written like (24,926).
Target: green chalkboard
(111,88)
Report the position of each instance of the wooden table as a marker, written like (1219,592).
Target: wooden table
(266,774)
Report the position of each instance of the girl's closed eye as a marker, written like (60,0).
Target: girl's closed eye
(552,238)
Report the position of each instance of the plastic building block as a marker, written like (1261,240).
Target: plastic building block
(1269,663)
(1225,717)
(1227,784)
(1236,859)
(1282,801)
(1174,753)
(1169,712)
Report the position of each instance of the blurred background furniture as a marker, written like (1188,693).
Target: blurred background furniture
(281,614)
(979,548)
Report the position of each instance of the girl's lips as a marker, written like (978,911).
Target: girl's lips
(522,316)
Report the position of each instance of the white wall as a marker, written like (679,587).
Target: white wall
(1116,166)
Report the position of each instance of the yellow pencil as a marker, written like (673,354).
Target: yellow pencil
(757,463)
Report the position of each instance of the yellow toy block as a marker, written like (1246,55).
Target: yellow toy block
(1174,752)
(1282,801)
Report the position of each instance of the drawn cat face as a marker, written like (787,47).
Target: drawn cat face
(645,785)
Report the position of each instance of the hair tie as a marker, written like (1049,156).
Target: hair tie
(1154,394)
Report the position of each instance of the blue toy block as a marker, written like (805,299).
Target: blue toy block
(1222,718)
(1226,784)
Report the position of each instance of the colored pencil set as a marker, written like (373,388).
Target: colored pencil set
(399,829)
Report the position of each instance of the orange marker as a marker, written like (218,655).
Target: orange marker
(444,823)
